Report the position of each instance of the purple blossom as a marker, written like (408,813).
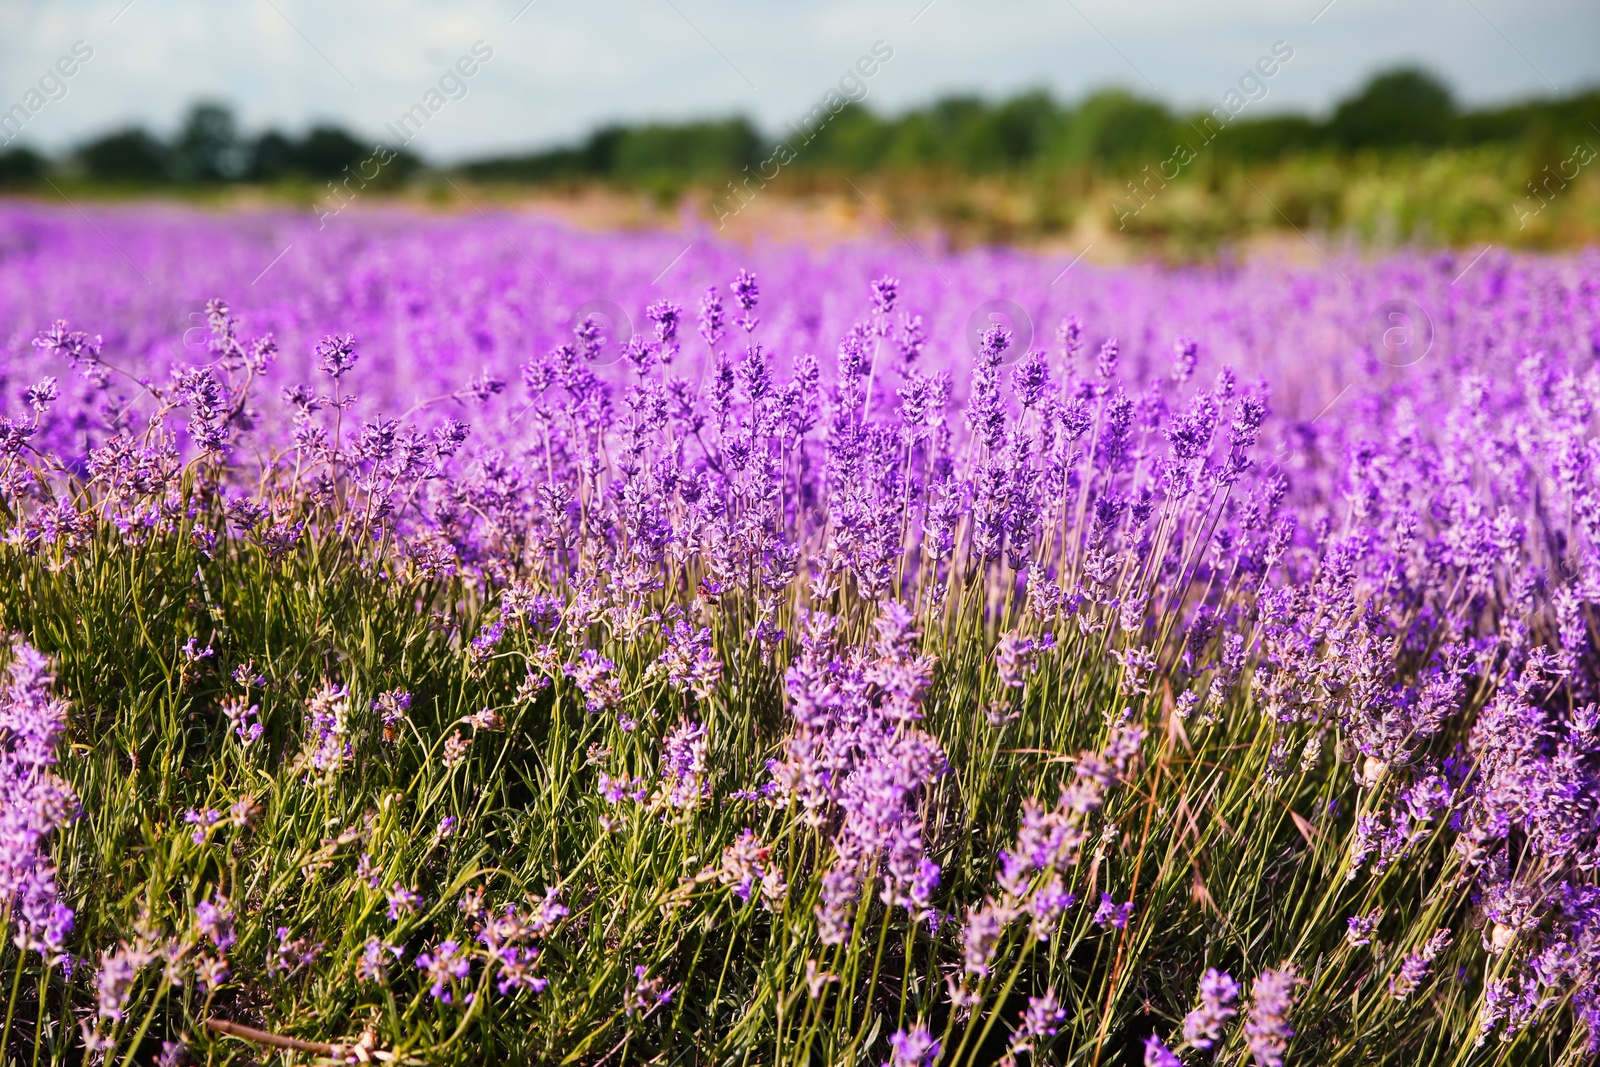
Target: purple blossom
(915,1047)
(1157,1054)
(40,396)
(444,967)
(371,967)
(1414,968)
(483,645)
(646,994)
(689,659)
(328,731)
(34,802)
(292,955)
(1360,928)
(1043,1017)
(516,971)
(1267,1031)
(593,676)
(338,355)
(1404,567)
(981,936)
(711,316)
(245,719)
(214,919)
(745,295)
(1219,994)
(402,902)
(683,766)
(1112,914)
(885,291)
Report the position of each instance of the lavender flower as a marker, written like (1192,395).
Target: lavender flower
(747,867)
(683,766)
(114,982)
(1267,1031)
(1157,1054)
(1404,567)
(1219,994)
(392,706)
(338,355)
(841,887)
(214,919)
(915,1047)
(292,955)
(402,902)
(245,719)
(1042,1019)
(885,291)
(371,966)
(689,659)
(593,675)
(1107,366)
(516,971)
(34,802)
(981,936)
(40,396)
(210,972)
(711,316)
(328,731)
(444,967)
(665,314)
(745,294)
(1360,928)
(1414,968)
(646,994)
(1112,914)
(454,750)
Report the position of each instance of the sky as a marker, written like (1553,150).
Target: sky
(555,69)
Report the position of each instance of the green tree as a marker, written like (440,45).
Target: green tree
(1406,106)
(127,156)
(208,148)
(21,166)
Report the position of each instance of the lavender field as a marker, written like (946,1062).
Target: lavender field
(467,640)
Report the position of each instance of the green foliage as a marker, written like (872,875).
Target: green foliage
(21,167)
(695,150)
(209,150)
(127,156)
(1398,111)
(1405,107)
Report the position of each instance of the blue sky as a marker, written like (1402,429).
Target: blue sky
(559,67)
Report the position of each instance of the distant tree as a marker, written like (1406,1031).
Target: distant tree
(1254,140)
(1017,129)
(1406,106)
(327,150)
(127,156)
(272,157)
(597,158)
(1112,130)
(208,148)
(1115,128)
(21,166)
(856,140)
(695,149)
(952,133)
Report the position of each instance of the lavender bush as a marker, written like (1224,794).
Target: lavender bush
(416,667)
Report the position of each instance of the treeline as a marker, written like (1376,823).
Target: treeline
(1397,112)
(1405,110)
(208,149)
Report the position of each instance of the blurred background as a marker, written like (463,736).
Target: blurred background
(1175,130)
